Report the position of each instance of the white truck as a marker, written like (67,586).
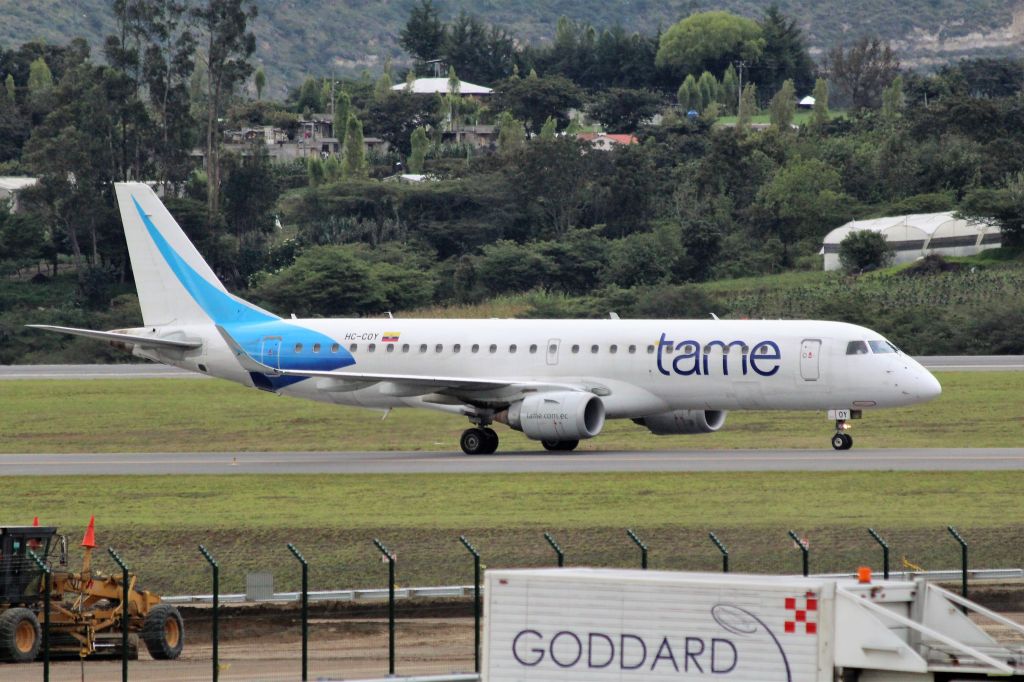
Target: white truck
(598,625)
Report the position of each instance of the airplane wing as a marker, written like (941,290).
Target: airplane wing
(412,384)
(136,339)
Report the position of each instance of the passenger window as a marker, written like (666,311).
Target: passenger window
(438,348)
(372,347)
(456,348)
(390,347)
(533,348)
(512,348)
(613,348)
(594,349)
(632,348)
(298,348)
(494,348)
(335,347)
(553,348)
(575,348)
(423,348)
(650,350)
(856,348)
(475,348)
(353,348)
(405,348)
(316,347)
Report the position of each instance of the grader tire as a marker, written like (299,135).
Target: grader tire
(163,632)
(20,636)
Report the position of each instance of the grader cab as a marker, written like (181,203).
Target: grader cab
(86,607)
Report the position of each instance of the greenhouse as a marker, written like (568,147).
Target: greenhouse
(918,235)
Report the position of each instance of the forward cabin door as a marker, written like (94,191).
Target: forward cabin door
(810,349)
(553,351)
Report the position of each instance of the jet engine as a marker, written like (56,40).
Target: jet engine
(683,421)
(556,416)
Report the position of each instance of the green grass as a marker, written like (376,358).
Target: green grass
(975,410)
(157,522)
(801,117)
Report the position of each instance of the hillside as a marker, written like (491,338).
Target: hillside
(300,37)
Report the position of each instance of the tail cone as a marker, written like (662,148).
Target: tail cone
(89,540)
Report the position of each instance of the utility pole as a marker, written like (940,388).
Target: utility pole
(740,65)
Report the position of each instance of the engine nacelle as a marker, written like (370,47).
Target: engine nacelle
(683,421)
(568,415)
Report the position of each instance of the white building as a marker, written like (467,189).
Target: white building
(439,86)
(918,235)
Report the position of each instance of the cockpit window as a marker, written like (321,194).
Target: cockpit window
(882,346)
(856,348)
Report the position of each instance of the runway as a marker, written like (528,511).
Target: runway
(901,459)
(939,363)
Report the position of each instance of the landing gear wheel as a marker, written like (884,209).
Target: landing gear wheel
(20,635)
(163,632)
(560,445)
(842,441)
(476,441)
(492,441)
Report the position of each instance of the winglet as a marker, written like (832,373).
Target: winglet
(248,363)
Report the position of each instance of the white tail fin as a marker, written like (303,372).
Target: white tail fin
(175,284)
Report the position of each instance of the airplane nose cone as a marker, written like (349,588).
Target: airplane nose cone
(930,386)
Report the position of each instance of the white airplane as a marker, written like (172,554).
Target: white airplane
(557,381)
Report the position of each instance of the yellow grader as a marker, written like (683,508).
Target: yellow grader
(86,608)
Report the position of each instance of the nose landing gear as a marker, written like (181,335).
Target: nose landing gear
(842,440)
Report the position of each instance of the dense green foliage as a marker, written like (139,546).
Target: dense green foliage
(632,228)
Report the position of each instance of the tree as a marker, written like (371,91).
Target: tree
(708,88)
(511,134)
(862,71)
(783,106)
(552,181)
(688,94)
(748,106)
(864,250)
(397,115)
(419,144)
(1002,205)
(309,96)
(622,110)
(354,164)
(805,199)
(532,100)
(228,48)
(9,86)
(820,116)
(339,117)
(893,100)
(547,132)
(260,81)
(423,35)
(730,90)
(708,41)
(481,54)
(785,55)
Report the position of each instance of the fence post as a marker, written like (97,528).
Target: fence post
(558,550)
(216,608)
(641,545)
(47,584)
(723,550)
(125,608)
(391,604)
(963,559)
(305,610)
(476,601)
(804,549)
(885,551)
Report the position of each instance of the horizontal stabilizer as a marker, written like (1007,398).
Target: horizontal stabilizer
(134,339)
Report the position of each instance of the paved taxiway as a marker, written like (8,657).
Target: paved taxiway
(896,459)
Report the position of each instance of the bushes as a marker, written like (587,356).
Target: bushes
(864,250)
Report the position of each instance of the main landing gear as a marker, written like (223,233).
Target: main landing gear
(479,441)
(842,440)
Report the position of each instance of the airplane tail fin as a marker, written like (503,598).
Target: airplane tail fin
(175,285)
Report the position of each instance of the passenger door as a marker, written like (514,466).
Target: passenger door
(810,349)
(270,353)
